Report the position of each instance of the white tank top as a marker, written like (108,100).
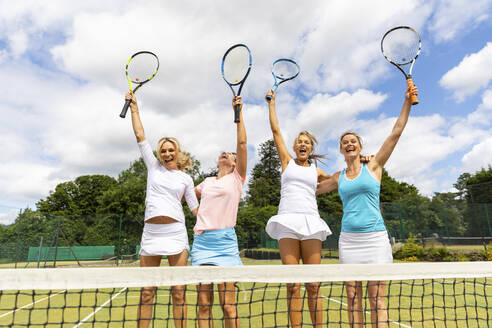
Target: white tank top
(298,189)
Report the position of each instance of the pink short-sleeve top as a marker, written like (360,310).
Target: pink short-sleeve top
(219,202)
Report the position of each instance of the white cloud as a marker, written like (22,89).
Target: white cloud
(453,17)
(470,75)
(480,156)
(8,217)
(61,121)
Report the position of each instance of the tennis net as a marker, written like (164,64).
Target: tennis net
(414,295)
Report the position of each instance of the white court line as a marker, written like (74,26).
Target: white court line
(99,308)
(391,321)
(30,304)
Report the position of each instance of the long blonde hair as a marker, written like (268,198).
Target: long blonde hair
(312,156)
(183,161)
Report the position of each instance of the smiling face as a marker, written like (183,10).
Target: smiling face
(303,147)
(169,155)
(350,145)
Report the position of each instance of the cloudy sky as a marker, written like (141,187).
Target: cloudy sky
(62,63)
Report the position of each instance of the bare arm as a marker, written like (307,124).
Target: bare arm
(282,151)
(242,145)
(328,184)
(389,144)
(136,122)
(322,175)
(195,211)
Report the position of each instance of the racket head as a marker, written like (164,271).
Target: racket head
(141,67)
(285,69)
(401,45)
(236,64)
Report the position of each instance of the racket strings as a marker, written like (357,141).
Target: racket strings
(401,46)
(142,67)
(285,69)
(236,65)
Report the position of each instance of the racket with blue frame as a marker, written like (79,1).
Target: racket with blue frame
(283,70)
(236,65)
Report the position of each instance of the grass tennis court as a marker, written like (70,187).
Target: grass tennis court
(456,303)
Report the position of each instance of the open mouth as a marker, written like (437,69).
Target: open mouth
(168,160)
(350,149)
(302,151)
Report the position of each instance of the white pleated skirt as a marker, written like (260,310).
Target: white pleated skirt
(366,247)
(164,239)
(297,225)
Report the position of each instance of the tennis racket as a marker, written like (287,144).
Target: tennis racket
(283,70)
(236,65)
(140,69)
(401,46)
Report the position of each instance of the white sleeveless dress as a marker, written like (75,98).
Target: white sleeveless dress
(298,210)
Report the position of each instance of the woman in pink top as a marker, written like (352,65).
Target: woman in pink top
(215,240)
(164,230)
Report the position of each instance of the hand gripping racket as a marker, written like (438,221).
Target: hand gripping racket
(283,70)
(401,46)
(236,65)
(140,69)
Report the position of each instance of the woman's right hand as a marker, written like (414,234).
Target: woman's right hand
(270,96)
(133,104)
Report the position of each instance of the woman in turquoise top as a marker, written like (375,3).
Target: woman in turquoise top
(364,238)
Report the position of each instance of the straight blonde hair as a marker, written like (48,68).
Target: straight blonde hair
(183,161)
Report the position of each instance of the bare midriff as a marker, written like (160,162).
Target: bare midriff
(161,220)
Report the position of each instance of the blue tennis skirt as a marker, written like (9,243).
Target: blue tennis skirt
(216,247)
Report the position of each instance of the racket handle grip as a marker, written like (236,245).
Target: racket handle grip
(125,108)
(236,113)
(413,98)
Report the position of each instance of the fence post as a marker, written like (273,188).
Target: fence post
(40,249)
(486,208)
(118,252)
(402,231)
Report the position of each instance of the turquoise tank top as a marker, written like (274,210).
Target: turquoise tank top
(360,199)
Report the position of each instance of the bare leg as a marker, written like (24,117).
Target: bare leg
(311,254)
(179,292)
(144,312)
(227,297)
(290,252)
(376,291)
(354,304)
(205,303)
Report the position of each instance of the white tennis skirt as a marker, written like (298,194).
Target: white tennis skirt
(366,247)
(164,239)
(297,226)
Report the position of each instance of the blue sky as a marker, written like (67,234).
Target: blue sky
(64,88)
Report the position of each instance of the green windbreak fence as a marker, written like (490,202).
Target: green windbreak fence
(82,253)
(427,220)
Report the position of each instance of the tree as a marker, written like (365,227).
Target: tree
(264,184)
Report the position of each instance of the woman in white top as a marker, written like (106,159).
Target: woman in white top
(298,226)
(164,231)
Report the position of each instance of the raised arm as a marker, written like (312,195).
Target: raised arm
(389,144)
(136,122)
(282,151)
(242,146)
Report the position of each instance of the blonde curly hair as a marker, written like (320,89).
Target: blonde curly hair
(183,161)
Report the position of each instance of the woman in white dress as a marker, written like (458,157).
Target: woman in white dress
(298,227)
(164,230)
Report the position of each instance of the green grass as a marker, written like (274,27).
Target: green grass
(413,304)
